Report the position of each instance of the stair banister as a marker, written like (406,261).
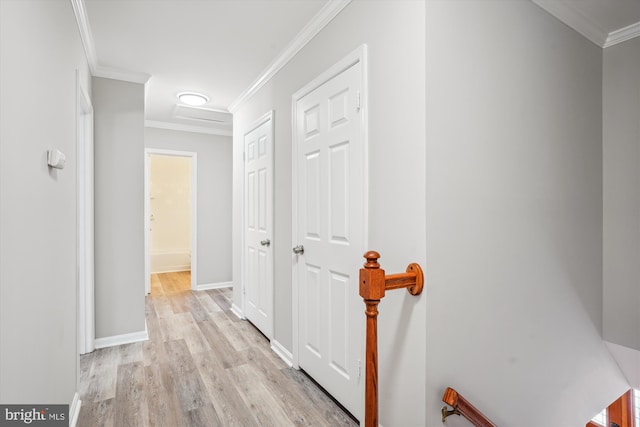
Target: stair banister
(461,406)
(373,284)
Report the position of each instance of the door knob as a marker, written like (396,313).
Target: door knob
(265,242)
(298,250)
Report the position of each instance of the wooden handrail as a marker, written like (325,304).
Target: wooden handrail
(373,284)
(461,406)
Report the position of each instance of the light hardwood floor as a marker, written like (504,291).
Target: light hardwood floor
(202,366)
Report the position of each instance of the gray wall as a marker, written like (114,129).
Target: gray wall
(621,93)
(514,215)
(40,51)
(214,196)
(394,32)
(119,206)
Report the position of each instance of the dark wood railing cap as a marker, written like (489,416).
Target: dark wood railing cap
(372,260)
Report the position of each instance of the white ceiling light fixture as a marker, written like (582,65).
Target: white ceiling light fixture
(192,98)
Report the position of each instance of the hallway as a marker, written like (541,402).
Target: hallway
(201,366)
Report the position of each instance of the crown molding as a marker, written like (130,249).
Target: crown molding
(124,75)
(186,128)
(329,11)
(586,27)
(97,70)
(574,20)
(622,35)
(85,34)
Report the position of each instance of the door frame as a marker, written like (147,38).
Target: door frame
(85,219)
(148,152)
(359,55)
(269,115)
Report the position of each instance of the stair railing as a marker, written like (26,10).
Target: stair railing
(373,284)
(461,406)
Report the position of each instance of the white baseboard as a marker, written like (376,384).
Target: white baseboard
(123,339)
(219,285)
(74,410)
(282,352)
(172,269)
(170,260)
(236,310)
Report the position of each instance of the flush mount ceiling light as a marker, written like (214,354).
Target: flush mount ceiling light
(192,98)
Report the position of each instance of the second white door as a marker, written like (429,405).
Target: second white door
(258,230)
(331,231)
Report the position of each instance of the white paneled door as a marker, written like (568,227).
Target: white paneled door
(330,205)
(258,225)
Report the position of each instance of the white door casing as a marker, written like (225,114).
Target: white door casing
(258,224)
(330,222)
(86,305)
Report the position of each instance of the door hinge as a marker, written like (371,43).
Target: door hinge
(359,370)
(358,101)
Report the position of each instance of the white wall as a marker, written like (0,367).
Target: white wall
(170,208)
(514,216)
(621,92)
(40,51)
(621,131)
(394,32)
(119,206)
(214,197)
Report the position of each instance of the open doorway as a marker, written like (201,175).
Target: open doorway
(170,214)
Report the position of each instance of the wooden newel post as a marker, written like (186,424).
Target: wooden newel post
(372,291)
(373,284)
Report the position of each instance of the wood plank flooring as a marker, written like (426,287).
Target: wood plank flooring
(201,366)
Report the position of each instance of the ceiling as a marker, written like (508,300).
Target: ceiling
(215,47)
(227,48)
